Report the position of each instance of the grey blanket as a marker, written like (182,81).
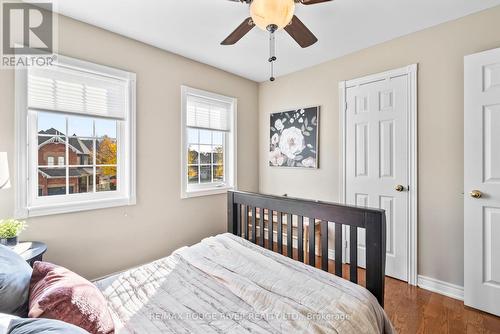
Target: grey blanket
(226,284)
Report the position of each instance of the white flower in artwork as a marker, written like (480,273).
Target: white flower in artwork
(291,142)
(309,162)
(278,125)
(301,120)
(275,139)
(276,158)
(292,120)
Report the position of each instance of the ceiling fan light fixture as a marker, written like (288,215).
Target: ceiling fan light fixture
(272,12)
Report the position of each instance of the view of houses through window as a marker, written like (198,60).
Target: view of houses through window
(205,156)
(84,161)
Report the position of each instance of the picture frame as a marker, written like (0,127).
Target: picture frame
(294,138)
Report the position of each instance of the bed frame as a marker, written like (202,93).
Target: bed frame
(243,221)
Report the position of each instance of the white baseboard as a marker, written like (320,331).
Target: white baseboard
(441,287)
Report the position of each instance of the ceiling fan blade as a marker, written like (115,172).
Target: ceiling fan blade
(312,2)
(241,31)
(299,32)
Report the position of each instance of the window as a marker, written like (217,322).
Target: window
(208,143)
(83,115)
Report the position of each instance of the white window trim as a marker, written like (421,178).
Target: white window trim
(79,202)
(230,163)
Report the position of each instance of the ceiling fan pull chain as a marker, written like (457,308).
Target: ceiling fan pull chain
(272,52)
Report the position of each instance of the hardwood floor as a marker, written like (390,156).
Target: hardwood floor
(413,310)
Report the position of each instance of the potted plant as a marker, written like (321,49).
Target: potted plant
(10,230)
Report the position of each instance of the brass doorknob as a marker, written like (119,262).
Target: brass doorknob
(399,188)
(476,194)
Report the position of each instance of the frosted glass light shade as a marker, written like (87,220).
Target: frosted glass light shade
(4,171)
(267,12)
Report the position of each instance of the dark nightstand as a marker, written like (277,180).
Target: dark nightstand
(31,251)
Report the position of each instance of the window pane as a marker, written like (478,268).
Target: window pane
(51,181)
(193,174)
(105,128)
(218,155)
(81,151)
(218,138)
(193,154)
(106,179)
(80,180)
(51,123)
(80,126)
(50,149)
(205,137)
(205,174)
(218,171)
(193,136)
(205,154)
(106,152)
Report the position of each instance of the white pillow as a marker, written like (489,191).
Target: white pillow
(5,321)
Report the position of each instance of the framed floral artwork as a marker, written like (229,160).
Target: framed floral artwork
(294,138)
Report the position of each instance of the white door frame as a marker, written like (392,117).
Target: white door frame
(411,73)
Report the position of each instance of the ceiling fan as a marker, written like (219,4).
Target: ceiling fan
(274,15)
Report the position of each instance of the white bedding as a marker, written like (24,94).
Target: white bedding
(226,284)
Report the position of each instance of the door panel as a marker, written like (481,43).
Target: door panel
(482,173)
(387,158)
(361,149)
(377,160)
(492,246)
(491,143)
(387,203)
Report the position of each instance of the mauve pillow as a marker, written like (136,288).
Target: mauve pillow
(15,276)
(58,293)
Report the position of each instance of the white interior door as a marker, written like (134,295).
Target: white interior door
(377,160)
(482,181)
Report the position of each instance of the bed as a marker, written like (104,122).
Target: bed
(238,282)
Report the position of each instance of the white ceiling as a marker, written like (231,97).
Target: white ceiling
(195,28)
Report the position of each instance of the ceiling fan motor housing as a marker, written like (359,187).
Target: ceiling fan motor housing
(272,13)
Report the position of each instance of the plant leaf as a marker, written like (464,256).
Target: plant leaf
(307,134)
(298,157)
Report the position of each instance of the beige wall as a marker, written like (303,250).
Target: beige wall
(96,243)
(439,51)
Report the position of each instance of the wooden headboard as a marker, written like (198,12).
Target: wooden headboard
(244,220)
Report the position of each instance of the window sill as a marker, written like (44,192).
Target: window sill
(205,192)
(74,207)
